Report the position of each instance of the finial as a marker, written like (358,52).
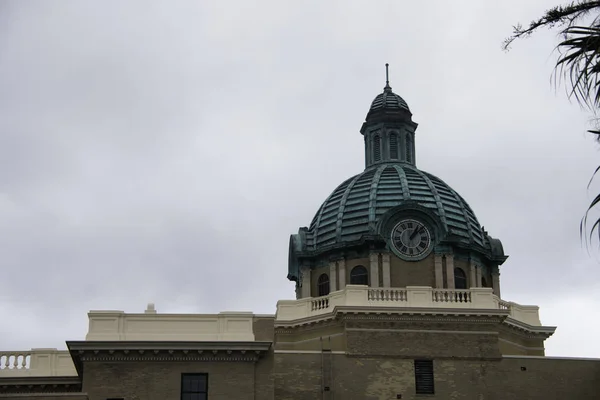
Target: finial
(387,78)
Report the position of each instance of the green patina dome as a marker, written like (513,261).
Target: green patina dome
(354,207)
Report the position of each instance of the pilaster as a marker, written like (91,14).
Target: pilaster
(450,270)
(342,272)
(374,266)
(496,282)
(385,262)
(473,275)
(439,272)
(332,276)
(305,282)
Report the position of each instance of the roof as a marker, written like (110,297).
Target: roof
(354,207)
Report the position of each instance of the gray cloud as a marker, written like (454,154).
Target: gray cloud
(163,152)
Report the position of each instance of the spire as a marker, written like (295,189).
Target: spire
(387,87)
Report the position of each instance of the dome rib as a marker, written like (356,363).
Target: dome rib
(436,196)
(373,193)
(403,182)
(338,227)
(464,210)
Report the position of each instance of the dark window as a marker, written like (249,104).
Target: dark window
(359,276)
(460,279)
(394,146)
(408,149)
(483,282)
(323,285)
(194,386)
(377,148)
(424,376)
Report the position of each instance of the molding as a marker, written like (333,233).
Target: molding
(422,331)
(41,386)
(309,352)
(520,345)
(401,313)
(40,394)
(311,339)
(141,351)
(553,358)
(529,331)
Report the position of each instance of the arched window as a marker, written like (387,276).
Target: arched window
(359,276)
(394,146)
(323,285)
(460,279)
(483,282)
(377,148)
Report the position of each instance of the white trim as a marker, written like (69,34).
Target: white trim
(554,358)
(520,345)
(422,331)
(307,352)
(312,339)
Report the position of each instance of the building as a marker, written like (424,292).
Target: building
(397,297)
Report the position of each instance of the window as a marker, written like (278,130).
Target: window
(377,148)
(483,282)
(194,386)
(424,376)
(460,279)
(323,285)
(359,276)
(394,146)
(408,149)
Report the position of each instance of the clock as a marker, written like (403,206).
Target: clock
(412,239)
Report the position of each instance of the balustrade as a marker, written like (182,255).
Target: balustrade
(320,303)
(412,296)
(451,296)
(14,360)
(388,294)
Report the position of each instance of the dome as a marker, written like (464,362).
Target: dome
(352,211)
(387,101)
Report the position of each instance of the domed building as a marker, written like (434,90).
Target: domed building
(393,225)
(397,297)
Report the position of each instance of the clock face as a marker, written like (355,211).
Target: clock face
(411,238)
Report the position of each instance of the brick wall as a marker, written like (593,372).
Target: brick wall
(162,380)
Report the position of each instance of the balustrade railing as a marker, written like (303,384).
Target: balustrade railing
(320,303)
(388,294)
(451,296)
(36,362)
(15,360)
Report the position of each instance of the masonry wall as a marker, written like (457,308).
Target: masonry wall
(162,380)
(44,396)
(302,376)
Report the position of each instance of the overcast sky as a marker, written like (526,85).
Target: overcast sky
(165,151)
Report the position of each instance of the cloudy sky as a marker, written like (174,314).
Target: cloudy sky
(165,151)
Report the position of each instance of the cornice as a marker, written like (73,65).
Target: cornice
(30,384)
(149,351)
(398,314)
(529,331)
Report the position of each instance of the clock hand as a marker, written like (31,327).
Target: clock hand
(415,232)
